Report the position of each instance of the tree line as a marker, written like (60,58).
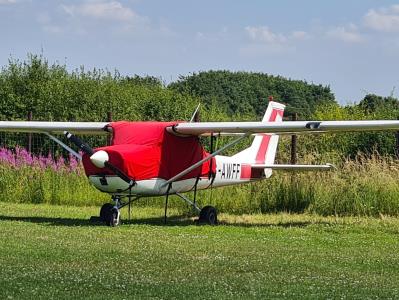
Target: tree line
(52,92)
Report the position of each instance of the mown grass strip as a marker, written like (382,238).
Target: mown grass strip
(54,252)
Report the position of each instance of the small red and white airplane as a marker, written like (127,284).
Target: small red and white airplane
(165,158)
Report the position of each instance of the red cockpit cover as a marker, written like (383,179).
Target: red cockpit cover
(145,150)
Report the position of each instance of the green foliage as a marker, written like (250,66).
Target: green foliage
(349,144)
(372,103)
(243,92)
(148,80)
(53,93)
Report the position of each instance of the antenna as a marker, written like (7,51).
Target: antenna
(195,116)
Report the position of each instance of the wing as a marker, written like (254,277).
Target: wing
(289,127)
(95,128)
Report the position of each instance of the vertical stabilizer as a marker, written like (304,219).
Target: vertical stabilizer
(264,146)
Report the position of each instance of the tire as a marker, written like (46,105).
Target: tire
(105,210)
(110,215)
(113,217)
(208,215)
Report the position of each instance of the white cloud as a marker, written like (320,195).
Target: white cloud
(264,35)
(383,19)
(104,10)
(349,34)
(46,22)
(221,35)
(105,17)
(265,41)
(300,35)
(8,2)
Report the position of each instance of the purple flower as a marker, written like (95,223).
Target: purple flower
(23,157)
(59,164)
(20,158)
(73,163)
(7,157)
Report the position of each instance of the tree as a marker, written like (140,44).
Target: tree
(243,92)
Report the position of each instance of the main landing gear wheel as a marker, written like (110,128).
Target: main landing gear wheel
(110,215)
(208,215)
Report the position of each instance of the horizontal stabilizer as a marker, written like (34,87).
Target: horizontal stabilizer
(326,167)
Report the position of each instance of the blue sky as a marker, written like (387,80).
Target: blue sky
(351,45)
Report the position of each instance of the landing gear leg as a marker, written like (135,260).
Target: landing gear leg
(166,204)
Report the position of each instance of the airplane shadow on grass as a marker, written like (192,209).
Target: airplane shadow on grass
(155,221)
(53,221)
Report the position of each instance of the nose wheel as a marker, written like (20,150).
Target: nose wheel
(110,215)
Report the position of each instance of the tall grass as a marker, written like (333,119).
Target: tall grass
(32,185)
(366,186)
(26,178)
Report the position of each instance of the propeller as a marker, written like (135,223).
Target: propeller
(100,158)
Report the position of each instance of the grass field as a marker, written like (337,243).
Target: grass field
(54,252)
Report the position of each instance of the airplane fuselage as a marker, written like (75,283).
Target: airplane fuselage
(228,171)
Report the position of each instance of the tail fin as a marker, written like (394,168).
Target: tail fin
(264,146)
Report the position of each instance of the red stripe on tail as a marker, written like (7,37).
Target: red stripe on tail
(261,155)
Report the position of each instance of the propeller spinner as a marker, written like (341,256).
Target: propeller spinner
(100,158)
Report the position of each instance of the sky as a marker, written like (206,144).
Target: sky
(350,45)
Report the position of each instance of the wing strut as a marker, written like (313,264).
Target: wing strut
(202,161)
(67,148)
